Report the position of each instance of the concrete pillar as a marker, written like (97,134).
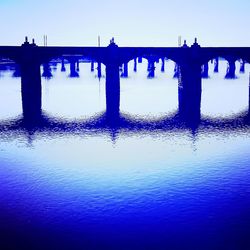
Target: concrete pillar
(63,69)
(176,71)
(242,66)
(92,68)
(125,70)
(189,92)
(17,72)
(112,90)
(205,69)
(231,69)
(73,72)
(216,65)
(135,65)
(249,98)
(77,65)
(31,89)
(151,68)
(99,70)
(162,64)
(46,71)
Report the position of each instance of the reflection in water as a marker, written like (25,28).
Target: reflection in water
(74,179)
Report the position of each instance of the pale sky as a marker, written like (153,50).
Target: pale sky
(131,22)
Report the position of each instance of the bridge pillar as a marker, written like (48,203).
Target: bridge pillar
(242,66)
(77,65)
(46,71)
(249,98)
(99,70)
(216,65)
(162,64)
(31,89)
(16,72)
(73,72)
(125,70)
(112,62)
(135,65)
(92,68)
(205,69)
(189,92)
(151,68)
(176,71)
(140,59)
(63,69)
(231,69)
(112,89)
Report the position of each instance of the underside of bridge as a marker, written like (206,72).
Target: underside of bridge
(190,60)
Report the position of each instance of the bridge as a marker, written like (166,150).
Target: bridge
(190,60)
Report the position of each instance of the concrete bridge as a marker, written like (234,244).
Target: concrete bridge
(190,60)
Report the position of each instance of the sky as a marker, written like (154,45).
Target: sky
(130,22)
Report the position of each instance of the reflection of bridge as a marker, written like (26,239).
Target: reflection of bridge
(189,59)
(123,123)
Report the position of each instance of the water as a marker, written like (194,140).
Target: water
(139,187)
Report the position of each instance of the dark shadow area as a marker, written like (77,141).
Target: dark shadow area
(104,123)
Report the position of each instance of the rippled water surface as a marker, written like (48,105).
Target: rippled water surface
(149,183)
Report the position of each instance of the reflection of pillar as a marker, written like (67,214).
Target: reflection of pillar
(242,66)
(73,72)
(92,66)
(112,89)
(31,89)
(204,73)
(189,91)
(125,70)
(231,69)
(163,64)
(216,65)
(63,66)
(135,65)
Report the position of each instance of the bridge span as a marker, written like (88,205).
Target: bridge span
(190,60)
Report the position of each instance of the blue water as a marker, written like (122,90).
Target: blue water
(142,187)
